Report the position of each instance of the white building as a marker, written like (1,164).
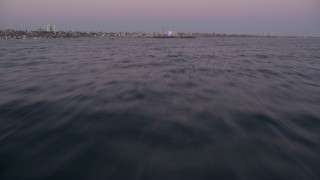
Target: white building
(51,28)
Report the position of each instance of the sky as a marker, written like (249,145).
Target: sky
(280,17)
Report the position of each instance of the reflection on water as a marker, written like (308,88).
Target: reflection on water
(221,108)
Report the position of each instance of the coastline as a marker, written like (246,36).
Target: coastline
(18,34)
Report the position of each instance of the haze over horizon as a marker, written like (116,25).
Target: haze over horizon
(285,17)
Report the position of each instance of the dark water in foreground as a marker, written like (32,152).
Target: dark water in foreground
(221,108)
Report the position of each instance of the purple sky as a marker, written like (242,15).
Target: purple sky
(281,17)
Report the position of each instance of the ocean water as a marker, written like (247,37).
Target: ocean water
(216,108)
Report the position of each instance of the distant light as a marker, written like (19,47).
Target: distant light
(169,33)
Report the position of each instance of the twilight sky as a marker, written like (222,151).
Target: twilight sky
(281,17)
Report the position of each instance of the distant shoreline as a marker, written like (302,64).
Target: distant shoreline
(19,34)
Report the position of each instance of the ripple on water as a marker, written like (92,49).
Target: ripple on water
(220,108)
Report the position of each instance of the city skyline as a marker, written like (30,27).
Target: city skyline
(288,17)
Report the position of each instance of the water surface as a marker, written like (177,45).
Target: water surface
(217,108)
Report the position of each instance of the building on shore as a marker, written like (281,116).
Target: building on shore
(51,28)
(265,34)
